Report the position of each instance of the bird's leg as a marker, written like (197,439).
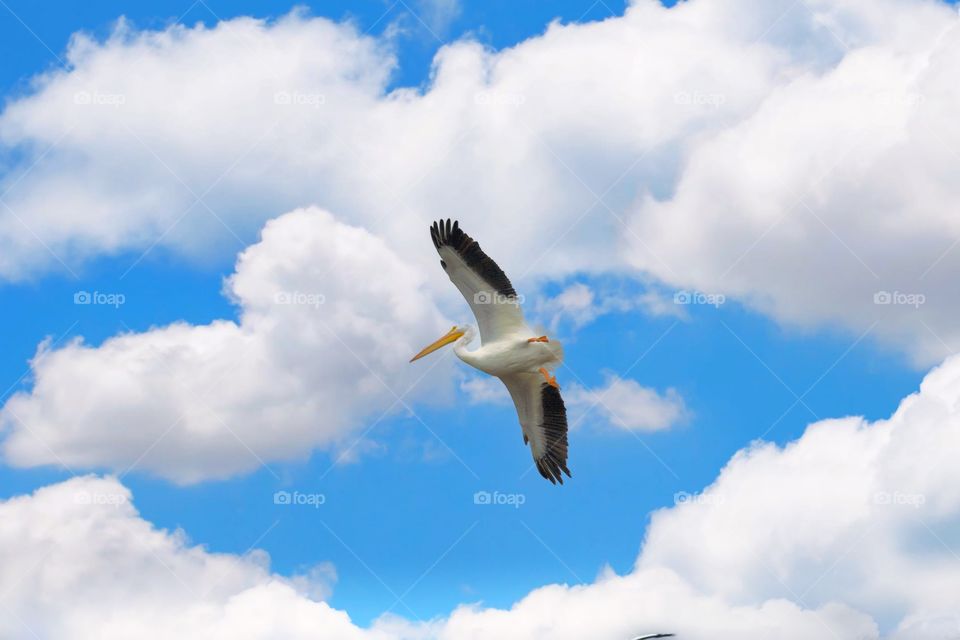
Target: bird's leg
(551,380)
(540,339)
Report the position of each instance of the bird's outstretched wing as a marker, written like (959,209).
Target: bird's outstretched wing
(543,418)
(485,286)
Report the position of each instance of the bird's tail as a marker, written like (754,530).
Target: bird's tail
(557,350)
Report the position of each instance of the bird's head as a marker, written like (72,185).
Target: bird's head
(456,333)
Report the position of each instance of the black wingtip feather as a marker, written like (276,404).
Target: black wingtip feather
(448,233)
(553,464)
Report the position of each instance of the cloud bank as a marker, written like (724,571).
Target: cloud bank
(329,317)
(846,532)
(792,156)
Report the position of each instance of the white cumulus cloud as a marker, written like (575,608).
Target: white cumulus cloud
(791,155)
(621,403)
(626,404)
(79,562)
(329,317)
(136,143)
(847,532)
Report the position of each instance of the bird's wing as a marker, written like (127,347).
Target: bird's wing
(543,419)
(486,287)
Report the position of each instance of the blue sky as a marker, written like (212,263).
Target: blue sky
(379,505)
(400,520)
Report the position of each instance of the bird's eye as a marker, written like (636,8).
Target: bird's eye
(443,264)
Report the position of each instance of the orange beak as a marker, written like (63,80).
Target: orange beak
(451,336)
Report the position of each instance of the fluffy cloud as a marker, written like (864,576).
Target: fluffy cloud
(794,155)
(580,304)
(847,532)
(857,512)
(80,563)
(626,404)
(621,403)
(830,202)
(485,389)
(329,317)
(616,607)
(438,14)
(790,154)
(138,143)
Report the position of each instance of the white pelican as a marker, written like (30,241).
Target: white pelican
(508,348)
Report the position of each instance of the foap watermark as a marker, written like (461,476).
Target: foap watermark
(99,298)
(485,297)
(934,625)
(299,498)
(514,500)
(301,298)
(499,98)
(313,99)
(99,498)
(899,498)
(99,99)
(684,497)
(700,99)
(699,297)
(899,298)
(900,98)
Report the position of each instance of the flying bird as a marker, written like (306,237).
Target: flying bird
(508,347)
